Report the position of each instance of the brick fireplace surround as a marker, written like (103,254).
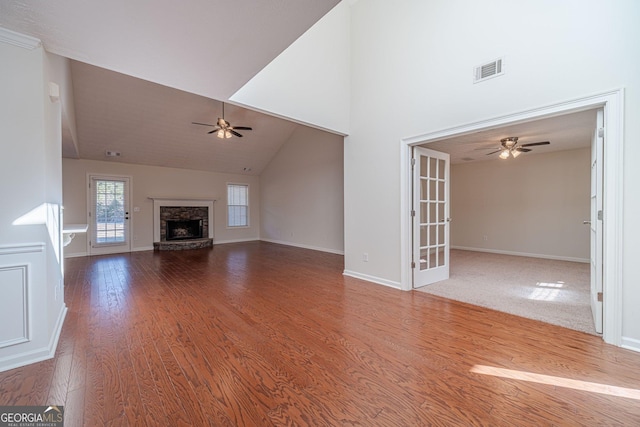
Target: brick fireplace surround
(182,209)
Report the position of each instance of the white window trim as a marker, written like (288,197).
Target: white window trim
(235,227)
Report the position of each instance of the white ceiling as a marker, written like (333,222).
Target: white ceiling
(151,124)
(195,53)
(566,132)
(208,47)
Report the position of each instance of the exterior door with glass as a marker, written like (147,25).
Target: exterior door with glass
(109,215)
(430,216)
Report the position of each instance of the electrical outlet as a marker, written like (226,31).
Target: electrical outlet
(365,257)
(485,238)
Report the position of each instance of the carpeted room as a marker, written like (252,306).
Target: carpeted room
(515,220)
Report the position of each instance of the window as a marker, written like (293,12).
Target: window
(237,205)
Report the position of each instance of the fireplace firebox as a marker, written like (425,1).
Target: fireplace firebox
(184,229)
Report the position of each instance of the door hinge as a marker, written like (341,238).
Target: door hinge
(601,133)
(599,296)
(413,213)
(413,265)
(600,215)
(413,161)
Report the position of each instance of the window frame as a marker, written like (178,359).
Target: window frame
(248,222)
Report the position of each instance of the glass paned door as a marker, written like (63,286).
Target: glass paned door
(109,215)
(431,216)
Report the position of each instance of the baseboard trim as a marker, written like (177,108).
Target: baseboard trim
(40,354)
(630,344)
(524,254)
(373,279)
(298,245)
(223,242)
(53,342)
(142,249)
(75,255)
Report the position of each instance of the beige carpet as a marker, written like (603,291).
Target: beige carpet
(552,291)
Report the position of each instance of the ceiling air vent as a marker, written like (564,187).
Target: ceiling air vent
(488,71)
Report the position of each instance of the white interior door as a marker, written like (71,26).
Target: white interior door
(109,215)
(430,216)
(596,255)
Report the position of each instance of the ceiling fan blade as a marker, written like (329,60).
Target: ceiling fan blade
(242,128)
(486,148)
(523,150)
(202,124)
(213,131)
(494,152)
(533,144)
(235,133)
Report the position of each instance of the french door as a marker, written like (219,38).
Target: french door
(430,216)
(109,215)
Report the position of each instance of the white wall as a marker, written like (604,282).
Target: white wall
(533,205)
(32,305)
(154,181)
(61,73)
(309,82)
(302,192)
(412,65)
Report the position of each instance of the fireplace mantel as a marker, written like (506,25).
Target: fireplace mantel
(177,201)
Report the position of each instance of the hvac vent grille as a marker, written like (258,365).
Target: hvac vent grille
(488,71)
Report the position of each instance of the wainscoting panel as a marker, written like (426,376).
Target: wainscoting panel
(14,304)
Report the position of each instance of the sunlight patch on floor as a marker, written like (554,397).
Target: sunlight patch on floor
(610,390)
(546,291)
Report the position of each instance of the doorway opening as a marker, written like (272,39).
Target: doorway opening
(612,179)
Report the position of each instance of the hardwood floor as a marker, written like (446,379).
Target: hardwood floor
(258,334)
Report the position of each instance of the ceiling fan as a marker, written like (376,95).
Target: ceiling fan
(509,146)
(223,128)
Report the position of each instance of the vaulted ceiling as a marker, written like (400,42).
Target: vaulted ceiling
(151,124)
(143,71)
(207,47)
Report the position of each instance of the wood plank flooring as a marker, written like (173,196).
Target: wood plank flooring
(259,334)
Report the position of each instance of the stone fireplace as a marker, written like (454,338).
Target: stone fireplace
(182,224)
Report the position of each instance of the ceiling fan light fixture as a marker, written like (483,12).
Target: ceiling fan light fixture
(224,134)
(223,129)
(509,142)
(515,153)
(504,154)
